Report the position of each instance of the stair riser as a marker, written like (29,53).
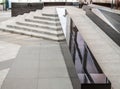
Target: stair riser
(11,31)
(42,22)
(62,39)
(45,18)
(50,15)
(37,26)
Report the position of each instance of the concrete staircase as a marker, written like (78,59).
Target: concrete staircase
(38,24)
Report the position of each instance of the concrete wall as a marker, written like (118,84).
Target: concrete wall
(100,1)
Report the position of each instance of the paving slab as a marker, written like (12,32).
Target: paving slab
(54,83)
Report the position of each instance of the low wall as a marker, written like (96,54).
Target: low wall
(21,8)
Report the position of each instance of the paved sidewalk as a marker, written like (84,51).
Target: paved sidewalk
(5,15)
(38,67)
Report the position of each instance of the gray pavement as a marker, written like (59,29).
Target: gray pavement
(38,67)
(5,15)
(38,63)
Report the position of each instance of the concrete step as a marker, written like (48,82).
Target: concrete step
(14,19)
(36,13)
(25,15)
(49,22)
(36,30)
(46,18)
(30,33)
(35,24)
(19,17)
(41,26)
(48,12)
